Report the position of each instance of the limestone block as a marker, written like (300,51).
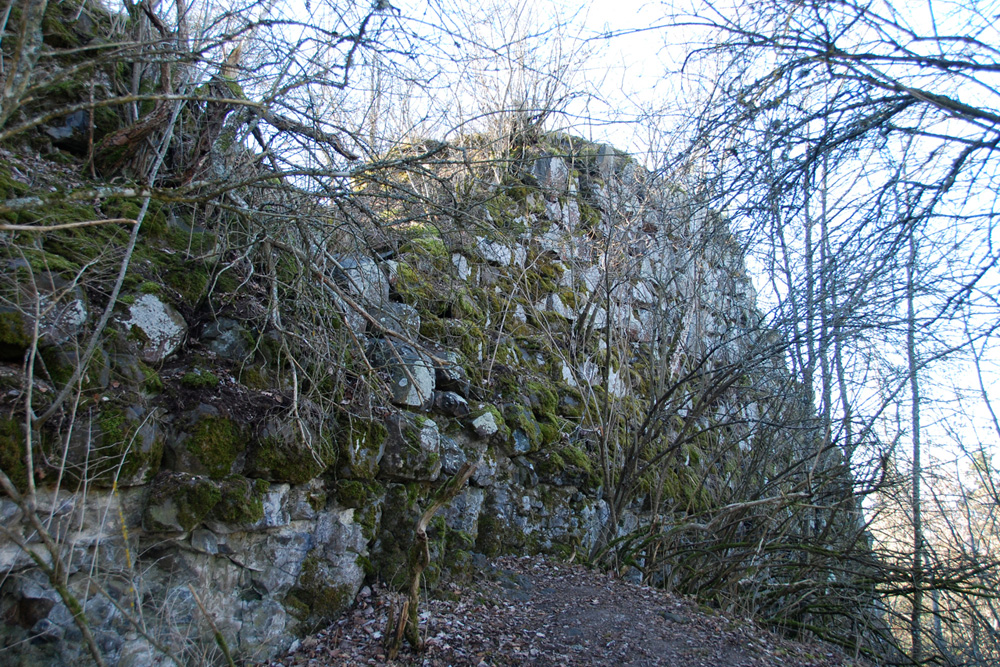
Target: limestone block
(605,161)
(553,211)
(226,338)
(451,376)
(552,174)
(499,253)
(412,375)
(553,303)
(571,215)
(485,425)
(451,404)
(412,449)
(399,317)
(363,278)
(462,267)
(179,502)
(462,513)
(494,252)
(643,294)
(158,327)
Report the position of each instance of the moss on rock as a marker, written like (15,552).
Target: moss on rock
(365,498)
(216,442)
(200,379)
(14,337)
(241,500)
(520,419)
(361,444)
(318,598)
(12,443)
(179,502)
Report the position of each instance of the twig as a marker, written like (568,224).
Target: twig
(67,225)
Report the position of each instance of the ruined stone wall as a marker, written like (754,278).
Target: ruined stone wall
(187,466)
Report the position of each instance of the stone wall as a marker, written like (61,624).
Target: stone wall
(190,465)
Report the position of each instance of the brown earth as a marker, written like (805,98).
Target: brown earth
(530,611)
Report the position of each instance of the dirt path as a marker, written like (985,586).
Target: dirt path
(525,611)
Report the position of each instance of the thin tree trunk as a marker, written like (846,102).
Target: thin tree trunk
(918,538)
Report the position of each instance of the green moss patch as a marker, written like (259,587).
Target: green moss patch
(14,338)
(241,500)
(12,443)
(179,502)
(520,418)
(216,442)
(200,379)
(361,444)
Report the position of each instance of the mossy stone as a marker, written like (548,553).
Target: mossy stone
(14,337)
(127,448)
(318,598)
(361,443)
(241,501)
(200,379)
(281,455)
(12,442)
(365,498)
(520,419)
(544,401)
(216,442)
(179,502)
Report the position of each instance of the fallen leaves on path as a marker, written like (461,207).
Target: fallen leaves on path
(529,611)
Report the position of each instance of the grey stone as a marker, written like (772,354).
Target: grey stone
(461,266)
(305,501)
(352,318)
(226,338)
(158,326)
(451,404)
(204,541)
(451,376)
(486,471)
(178,502)
(363,278)
(462,513)
(494,252)
(452,455)
(605,161)
(552,174)
(485,425)
(275,504)
(411,372)
(412,449)
(553,303)
(72,134)
(398,317)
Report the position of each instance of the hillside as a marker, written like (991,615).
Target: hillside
(231,384)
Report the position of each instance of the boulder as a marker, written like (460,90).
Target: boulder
(398,317)
(156,326)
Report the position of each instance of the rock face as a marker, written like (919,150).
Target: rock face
(222,458)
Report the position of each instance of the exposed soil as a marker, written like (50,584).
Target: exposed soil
(529,611)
